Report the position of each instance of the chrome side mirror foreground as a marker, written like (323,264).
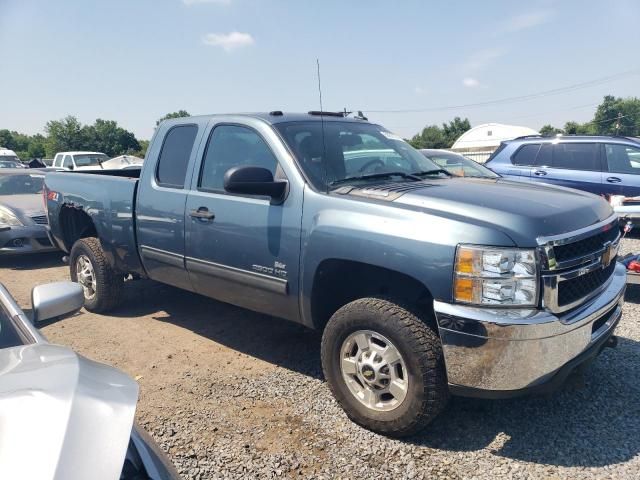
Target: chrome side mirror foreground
(53,300)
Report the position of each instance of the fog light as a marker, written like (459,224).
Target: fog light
(17,242)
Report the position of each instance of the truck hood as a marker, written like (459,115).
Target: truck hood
(520,210)
(62,416)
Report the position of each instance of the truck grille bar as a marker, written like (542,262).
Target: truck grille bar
(578,265)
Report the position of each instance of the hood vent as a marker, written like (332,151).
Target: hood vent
(384,191)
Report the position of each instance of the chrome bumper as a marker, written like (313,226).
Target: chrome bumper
(514,349)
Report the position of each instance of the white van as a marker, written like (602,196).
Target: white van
(79,160)
(9,159)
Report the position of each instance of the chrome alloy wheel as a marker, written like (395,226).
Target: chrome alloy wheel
(374,370)
(86,276)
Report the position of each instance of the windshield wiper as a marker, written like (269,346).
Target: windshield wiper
(410,176)
(432,172)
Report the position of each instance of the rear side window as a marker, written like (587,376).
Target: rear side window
(576,156)
(526,155)
(67,163)
(174,156)
(623,159)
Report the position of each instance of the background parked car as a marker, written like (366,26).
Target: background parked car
(79,160)
(457,164)
(22,217)
(64,416)
(603,165)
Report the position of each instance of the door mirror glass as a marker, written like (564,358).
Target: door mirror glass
(250,180)
(55,300)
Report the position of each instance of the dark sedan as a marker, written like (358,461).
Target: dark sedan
(23,221)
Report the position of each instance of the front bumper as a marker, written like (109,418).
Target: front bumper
(27,239)
(509,352)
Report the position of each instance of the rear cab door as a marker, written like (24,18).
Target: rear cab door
(570,164)
(161,198)
(622,172)
(246,251)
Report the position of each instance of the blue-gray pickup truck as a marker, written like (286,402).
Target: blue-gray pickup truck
(424,284)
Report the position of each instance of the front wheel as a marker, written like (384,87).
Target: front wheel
(89,267)
(385,366)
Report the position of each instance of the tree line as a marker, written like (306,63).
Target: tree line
(614,116)
(70,134)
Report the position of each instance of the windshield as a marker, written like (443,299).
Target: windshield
(10,162)
(350,149)
(90,160)
(21,184)
(458,165)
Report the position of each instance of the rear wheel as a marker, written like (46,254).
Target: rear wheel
(101,284)
(385,367)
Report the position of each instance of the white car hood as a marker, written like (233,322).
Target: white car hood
(62,416)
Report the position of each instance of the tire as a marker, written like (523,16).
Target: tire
(421,372)
(103,290)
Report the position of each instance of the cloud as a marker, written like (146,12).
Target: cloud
(194,2)
(418,90)
(228,41)
(483,58)
(526,21)
(470,82)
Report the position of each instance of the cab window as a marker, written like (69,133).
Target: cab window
(232,146)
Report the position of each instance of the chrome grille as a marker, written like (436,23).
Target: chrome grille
(578,265)
(40,219)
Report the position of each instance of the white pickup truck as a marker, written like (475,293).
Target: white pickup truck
(79,160)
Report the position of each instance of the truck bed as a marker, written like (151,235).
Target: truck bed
(104,200)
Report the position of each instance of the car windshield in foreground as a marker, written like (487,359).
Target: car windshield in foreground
(458,165)
(87,160)
(21,184)
(333,153)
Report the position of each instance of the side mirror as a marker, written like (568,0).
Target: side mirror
(71,167)
(53,300)
(250,180)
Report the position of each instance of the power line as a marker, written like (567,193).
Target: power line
(520,98)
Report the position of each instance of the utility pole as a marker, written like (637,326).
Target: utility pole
(618,123)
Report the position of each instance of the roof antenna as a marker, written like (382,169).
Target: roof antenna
(324,146)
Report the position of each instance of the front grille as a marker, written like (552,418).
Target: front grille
(576,288)
(584,247)
(40,219)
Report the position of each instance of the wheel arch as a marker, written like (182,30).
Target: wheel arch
(337,282)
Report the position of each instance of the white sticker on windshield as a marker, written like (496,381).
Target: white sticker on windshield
(392,136)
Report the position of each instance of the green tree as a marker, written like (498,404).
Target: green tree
(178,114)
(63,135)
(618,116)
(142,151)
(430,137)
(549,130)
(107,137)
(6,140)
(454,129)
(575,128)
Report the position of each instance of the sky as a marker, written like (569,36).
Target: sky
(135,60)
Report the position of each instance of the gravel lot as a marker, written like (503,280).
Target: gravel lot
(233,394)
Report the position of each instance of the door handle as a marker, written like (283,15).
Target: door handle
(202,213)
(540,173)
(614,180)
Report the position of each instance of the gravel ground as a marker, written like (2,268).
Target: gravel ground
(232,394)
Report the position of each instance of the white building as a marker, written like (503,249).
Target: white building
(481,141)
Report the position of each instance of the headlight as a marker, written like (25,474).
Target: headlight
(8,218)
(495,276)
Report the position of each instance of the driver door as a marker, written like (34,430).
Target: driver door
(242,249)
